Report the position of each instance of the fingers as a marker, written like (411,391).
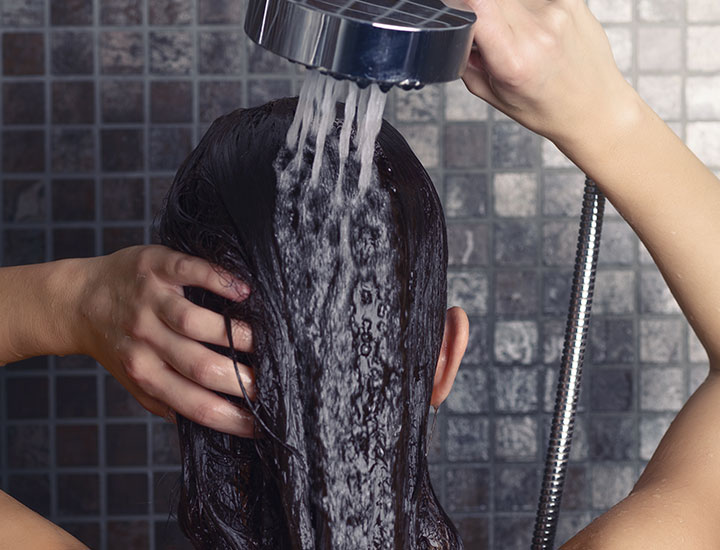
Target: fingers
(203,406)
(202,365)
(185,270)
(201,324)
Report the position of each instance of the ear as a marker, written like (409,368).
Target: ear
(455,339)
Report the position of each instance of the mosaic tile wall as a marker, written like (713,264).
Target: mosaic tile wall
(102,99)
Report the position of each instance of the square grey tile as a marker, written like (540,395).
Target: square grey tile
(469,290)
(513,146)
(467,438)
(465,195)
(470,393)
(468,244)
(662,389)
(515,389)
(661,340)
(516,342)
(516,437)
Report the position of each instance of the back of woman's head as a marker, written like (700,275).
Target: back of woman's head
(347,306)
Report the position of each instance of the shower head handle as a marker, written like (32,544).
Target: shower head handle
(408,43)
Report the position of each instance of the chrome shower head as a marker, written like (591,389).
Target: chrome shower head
(408,43)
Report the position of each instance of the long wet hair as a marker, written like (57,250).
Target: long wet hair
(347,304)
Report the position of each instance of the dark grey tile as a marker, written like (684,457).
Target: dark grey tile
(218,98)
(557,286)
(171,52)
(516,437)
(73,102)
(610,483)
(468,438)
(73,200)
(126,445)
(223,12)
(26,397)
(72,52)
(23,13)
(655,296)
(29,365)
(76,445)
(115,238)
(128,534)
(477,349)
(72,150)
(469,290)
(468,489)
(614,291)
(513,146)
(515,389)
(71,12)
(465,195)
(78,494)
(170,12)
(562,193)
(75,396)
(171,101)
(28,446)
(166,489)
(121,52)
(23,200)
(516,342)
(465,145)
(617,244)
(76,362)
(72,242)
(612,438)
(559,243)
(516,293)
(435,441)
(123,199)
(23,53)
(652,429)
(23,151)
(121,150)
(576,489)
(262,91)
(468,244)
(474,532)
(169,147)
(122,101)
(158,190)
(263,61)
(169,537)
(553,331)
(516,488)
(516,243)
(121,12)
(23,103)
(33,490)
(87,532)
(165,445)
(119,401)
(611,389)
(24,246)
(661,340)
(612,340)
(470,392)
(513,533)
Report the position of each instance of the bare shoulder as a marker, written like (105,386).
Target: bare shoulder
(22,528)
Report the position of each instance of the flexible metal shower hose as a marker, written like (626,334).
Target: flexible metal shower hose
(568,389)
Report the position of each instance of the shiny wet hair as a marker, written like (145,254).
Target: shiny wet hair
(347,309)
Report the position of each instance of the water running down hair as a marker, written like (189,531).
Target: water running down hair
(347,309)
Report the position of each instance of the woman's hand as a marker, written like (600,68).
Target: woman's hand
(548,65)
(136,322)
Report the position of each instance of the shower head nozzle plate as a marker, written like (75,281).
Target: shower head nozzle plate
(407,43)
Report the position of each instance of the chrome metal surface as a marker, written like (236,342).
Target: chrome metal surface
(568,389)
(406,43)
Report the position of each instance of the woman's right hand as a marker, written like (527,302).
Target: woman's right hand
(136,322)
(548,65)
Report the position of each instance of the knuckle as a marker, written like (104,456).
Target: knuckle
(201,372)
(204,413)
(136,373)
(182,319)
(183,266)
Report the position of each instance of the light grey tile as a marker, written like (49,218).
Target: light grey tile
(662,389)
(552,157)
(652,429)
(570,524)
(610,483)
(516,437)
(552,341)
(621,42)
(470,393)
(612,11)
(423,140)
(696,351)
(559,243)
(655,296)
(702,48)
(696,376)
(614,292)
(703,139)
(656,11)
(23,13)
(661,340)
(701,11)
(466,195)
(515,194)
(516,342)
(663,94)
(702,97)
(469,290)
(418,105)
(468,244)
(462,105)
(516,389)
(617,244)
(477,348)
(659,49)
(562,193)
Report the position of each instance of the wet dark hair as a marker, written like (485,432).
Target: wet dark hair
(347,311)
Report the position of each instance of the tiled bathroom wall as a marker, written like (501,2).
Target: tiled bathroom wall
(102,99)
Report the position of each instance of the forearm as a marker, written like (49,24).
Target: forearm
(669,197)
(39,309)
